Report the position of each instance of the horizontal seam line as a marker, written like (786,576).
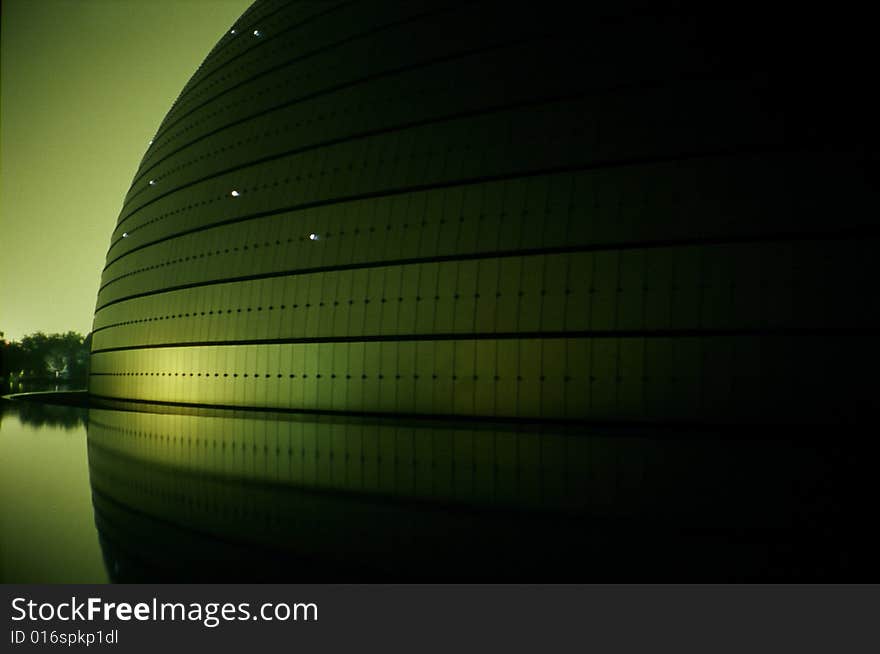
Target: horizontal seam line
(443,417)
(633,245)
(506,336)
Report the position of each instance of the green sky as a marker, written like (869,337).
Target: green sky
(85,83)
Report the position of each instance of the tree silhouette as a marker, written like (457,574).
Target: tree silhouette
(45,356)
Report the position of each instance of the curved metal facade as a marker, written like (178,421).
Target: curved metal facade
(444,209)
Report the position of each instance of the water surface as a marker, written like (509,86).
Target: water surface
(47,525)
(135,493)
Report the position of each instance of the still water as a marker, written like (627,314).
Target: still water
(128,493)
(47,532)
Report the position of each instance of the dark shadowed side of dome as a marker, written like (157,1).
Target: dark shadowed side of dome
(621,214)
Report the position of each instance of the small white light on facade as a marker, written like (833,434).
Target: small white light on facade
(124,234)
(152,182)
(235,194)
(151,142)
(258,33)
(232,31)
(313,237)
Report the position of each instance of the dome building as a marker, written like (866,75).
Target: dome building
(474,210)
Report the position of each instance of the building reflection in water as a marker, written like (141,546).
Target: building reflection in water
(214,495)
